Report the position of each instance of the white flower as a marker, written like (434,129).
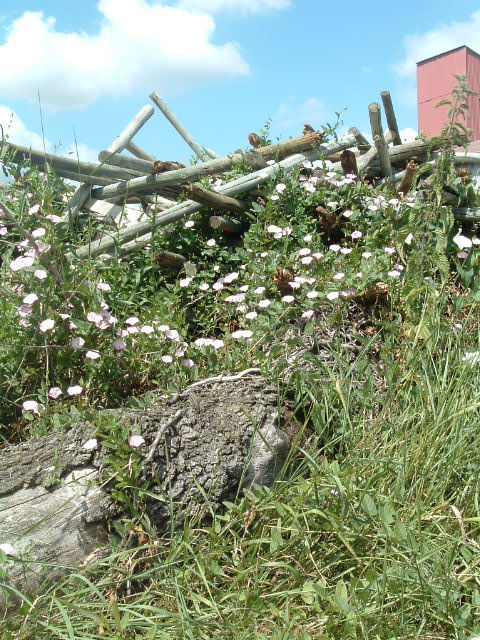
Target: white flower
(40,274)
(38,233)
(339,276)
(366,255)
(211,242)
(462,242)
(147,329)
(46,325)
(77,343)
(304,252)
(189,224)
(30,298)
(7,549)
(274,229)
(21,263)
(259,290)
(389,250)
(333,295)
(308,313)
(167,359)
(230,277)
(280,187)
(263,304)
(94,317)
(334,247)
(103,286)
(409,238)
(75,390)
(242,333)
(54,392)
(92,355)
(251,315)
(184,282)
(312,294)
(288,299)
(90,445)
(394,273)
(473,357)
(204,286)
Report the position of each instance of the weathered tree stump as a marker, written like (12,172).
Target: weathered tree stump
(203,444)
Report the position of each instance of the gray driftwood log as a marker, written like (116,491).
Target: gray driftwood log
(201,445)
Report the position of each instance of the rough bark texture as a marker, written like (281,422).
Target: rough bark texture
(209,440)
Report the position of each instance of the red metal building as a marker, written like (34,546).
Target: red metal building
(435,81)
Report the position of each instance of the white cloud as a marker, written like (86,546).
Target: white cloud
(238,6)
(408,134)
(141,46)
(18,133)
(419,46)
(293,113)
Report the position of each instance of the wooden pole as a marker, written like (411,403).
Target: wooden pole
(391,118)
(191,174)
(203,155)
(138,165)
(138,152)
(406,181)
(120,142)
(225,224)
(211,199)
(234,187)
(363,145)
(379,140)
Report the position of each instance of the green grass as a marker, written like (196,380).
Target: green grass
(374,531)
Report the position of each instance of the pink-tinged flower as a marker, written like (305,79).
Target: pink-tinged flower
(94,317)
(347,214)
(24,310)
(308,313)
(356,234)
(147,329)
(90,445)
(188,363)
(288,299)
(312,294)
(211,242)
(272,228)
(103,286)
(334,247)
(172,334)
(306,260)
(394,273)
(119,345)
(53,218)
(132,330)
(366,255)
(34,209)
(463,255)
(317,255)
(393,201)
(3,230)
(295,285)
(54,392)
(242,334)
(304,252)
(333,295)
(189,224)
(359,275)
(72,325)
(40,274)
(251,315)
(77,343)
(163,327)
(132,321)
(280,187)
(64,316)
(31,405)
(372,207)
(263,304)
(21,263)
(389,250)
(46,325)
(167,359)
(475,241)
(136,441)
(38,233)
(339,276)
(93,355)
(75,390)
(30,298)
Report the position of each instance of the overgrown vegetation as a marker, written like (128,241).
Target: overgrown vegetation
(373,531)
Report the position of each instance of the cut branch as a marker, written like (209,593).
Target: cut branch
(211,199)
(227,225)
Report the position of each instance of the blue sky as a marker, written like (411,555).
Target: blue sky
(223,66)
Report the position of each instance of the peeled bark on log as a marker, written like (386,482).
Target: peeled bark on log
(160,166)
(254,140)
(201,445)
(348,162)
(211,199)
(406,182)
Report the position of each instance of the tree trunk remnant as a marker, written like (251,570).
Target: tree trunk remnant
(201,447)
(227,225)
(406,181)
(348,162)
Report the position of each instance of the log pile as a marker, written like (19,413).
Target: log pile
(170,190)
